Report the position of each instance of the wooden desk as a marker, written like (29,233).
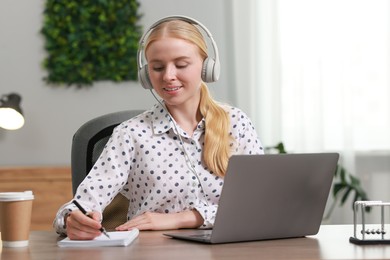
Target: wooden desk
(332,242)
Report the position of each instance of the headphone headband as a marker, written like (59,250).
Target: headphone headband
(211,66)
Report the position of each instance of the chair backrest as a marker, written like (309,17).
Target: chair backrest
(89,141)
(87,145)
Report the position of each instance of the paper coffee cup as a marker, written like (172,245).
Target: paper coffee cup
(15,218)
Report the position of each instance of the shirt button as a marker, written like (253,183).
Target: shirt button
(194,184)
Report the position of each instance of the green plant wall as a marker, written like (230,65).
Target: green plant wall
(90,40)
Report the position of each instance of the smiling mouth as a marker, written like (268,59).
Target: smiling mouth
(172,88)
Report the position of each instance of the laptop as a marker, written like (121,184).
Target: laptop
(267,197)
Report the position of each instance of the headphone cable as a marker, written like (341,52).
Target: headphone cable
(189,162)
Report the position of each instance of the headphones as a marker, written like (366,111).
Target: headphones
(210,68)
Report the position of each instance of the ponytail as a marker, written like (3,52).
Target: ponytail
(216,150)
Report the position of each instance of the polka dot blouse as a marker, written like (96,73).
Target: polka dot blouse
(145,160)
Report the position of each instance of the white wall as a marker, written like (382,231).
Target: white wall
(53,114)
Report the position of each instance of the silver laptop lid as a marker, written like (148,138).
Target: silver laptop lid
(273,196)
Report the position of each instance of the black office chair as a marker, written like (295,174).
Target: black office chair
(87,145)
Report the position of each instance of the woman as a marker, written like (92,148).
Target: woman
(169,161)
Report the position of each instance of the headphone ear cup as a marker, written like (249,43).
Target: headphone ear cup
(143,75)
(210,70)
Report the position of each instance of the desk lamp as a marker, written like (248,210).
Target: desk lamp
(11,116)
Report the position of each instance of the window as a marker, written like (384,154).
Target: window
(332,73)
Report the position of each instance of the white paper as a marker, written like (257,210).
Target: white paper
(117,238)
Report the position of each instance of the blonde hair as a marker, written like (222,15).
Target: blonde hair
(217,142)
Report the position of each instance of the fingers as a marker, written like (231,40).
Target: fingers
(151,221)
(82,227)
(142,222)
(146,221)
(95,216)
(164,221)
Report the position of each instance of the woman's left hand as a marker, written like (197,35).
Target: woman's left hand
(163,221)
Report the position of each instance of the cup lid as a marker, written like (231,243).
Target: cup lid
(15,196)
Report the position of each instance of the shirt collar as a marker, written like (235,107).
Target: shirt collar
(161,122)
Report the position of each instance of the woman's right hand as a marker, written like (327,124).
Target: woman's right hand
(82,227)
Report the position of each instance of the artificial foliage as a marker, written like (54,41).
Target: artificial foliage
(90,40)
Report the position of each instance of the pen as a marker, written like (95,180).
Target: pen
(102,229)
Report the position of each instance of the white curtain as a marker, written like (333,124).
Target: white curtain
(322,75)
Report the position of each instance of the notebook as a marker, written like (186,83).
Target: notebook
(117,238)
(269,197)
